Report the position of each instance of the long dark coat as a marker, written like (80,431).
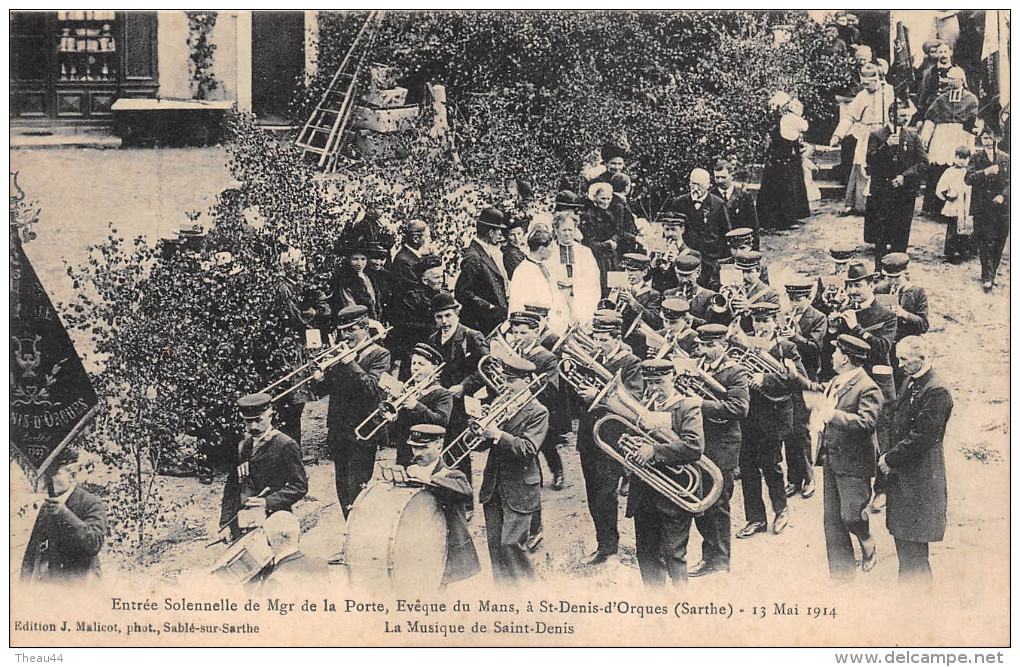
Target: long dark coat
(782,199)
(916,490)
(481,290)
(66,540)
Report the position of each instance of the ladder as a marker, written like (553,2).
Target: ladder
(321,137)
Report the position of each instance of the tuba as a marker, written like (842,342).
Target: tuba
(618,435)
(579,365)
(502,410)
(389,410)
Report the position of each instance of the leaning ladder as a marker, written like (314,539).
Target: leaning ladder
(321,136)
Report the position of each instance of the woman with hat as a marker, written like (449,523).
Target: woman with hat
(598,227)
(351,286)
(782,200)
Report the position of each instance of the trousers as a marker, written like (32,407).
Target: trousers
(797,446)
(844,500)
(913,558)
(714,526)
(760,455)
(354,463)
(991,232)
(661,543)
(601,478)
(506,534)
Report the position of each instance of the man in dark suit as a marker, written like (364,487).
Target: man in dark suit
(601,473)
(266,473)
(868,320)
(453,490)
(896,163)
(740,207)
(988,175)
(411,315)
(462,348)
(292,570)
(662,528)
(808,334)
(481,286)
(769,421)
(433,405)
(722,417)
(404,269)
(915,466)
(707,224)
(354,393)
(69,530)
(687,268)
(510,483)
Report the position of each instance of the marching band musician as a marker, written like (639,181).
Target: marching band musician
(910,302)
(677,329)
(722,444)
(453,489)
(462,348)
(546,338)
(432,406)
(688,272)
(662,276)
(601,473)
(830,291)
(267,471)
(846,452)
(642,301)
(808,329)
(741,239)
(866,318)
(753,290)
(354,393)
(769,421)
(510,483)
(661,528)
(411,315)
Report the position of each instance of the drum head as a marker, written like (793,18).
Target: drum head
(245,558)
(396,537)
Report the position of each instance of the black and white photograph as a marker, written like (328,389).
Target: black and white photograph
(508,328)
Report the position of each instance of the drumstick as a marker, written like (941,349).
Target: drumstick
(262,493)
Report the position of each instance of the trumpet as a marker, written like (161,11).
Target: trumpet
(339,353)
(618,435)
(579,365)
(619,305)
(389,410)
(505,408)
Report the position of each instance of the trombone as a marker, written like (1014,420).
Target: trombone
(389,410)
(618,435)
(326,359)
(501,411)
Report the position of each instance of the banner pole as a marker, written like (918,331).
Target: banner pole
(82,423)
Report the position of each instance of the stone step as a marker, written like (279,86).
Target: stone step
(829,189)
(40,137)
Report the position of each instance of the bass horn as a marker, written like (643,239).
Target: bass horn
(619,436)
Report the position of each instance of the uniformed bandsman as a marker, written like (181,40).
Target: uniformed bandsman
(688,271)
(808,328)
(433,406)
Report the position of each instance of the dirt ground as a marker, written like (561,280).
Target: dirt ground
(148,191)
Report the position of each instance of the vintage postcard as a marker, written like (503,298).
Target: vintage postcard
(510,328)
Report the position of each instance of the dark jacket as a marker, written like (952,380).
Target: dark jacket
(354,393)
(481,290)
(722,417)
(986,188)
(876,327)
(412,319)
(771,409)
(809,337)
(66,539)
(914,301)
(626,228)
(741,210)
(701,305)
(461,355)
(688,448)
(511,470)
(706,227)
(348,289)
(512,258)
(848,444)
(452,488)
(885,162)
(916,506)
(629,367)
(405,269)
(275,465)
(434,407)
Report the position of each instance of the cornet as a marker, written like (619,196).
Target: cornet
(389,410)
(619,436)
(490,367)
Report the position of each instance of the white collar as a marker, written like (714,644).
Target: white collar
(443,340)
(264,438)
(288,551)
(924,369)
(867,304)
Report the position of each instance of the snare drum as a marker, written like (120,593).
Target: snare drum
(244,559)
(396,538)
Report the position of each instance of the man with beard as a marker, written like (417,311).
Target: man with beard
(707,224)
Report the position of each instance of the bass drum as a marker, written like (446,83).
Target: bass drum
(396,537)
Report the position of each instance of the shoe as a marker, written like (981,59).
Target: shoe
(625,487)
(468,515)
(339,558)
(309,459)
(752,528)
(808,489)
(558,482)
(597,558)
(791,490)
(736,473)
(782,519)
(986,286)
(868,561)
(703,568)
(534,541)
(877,503)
